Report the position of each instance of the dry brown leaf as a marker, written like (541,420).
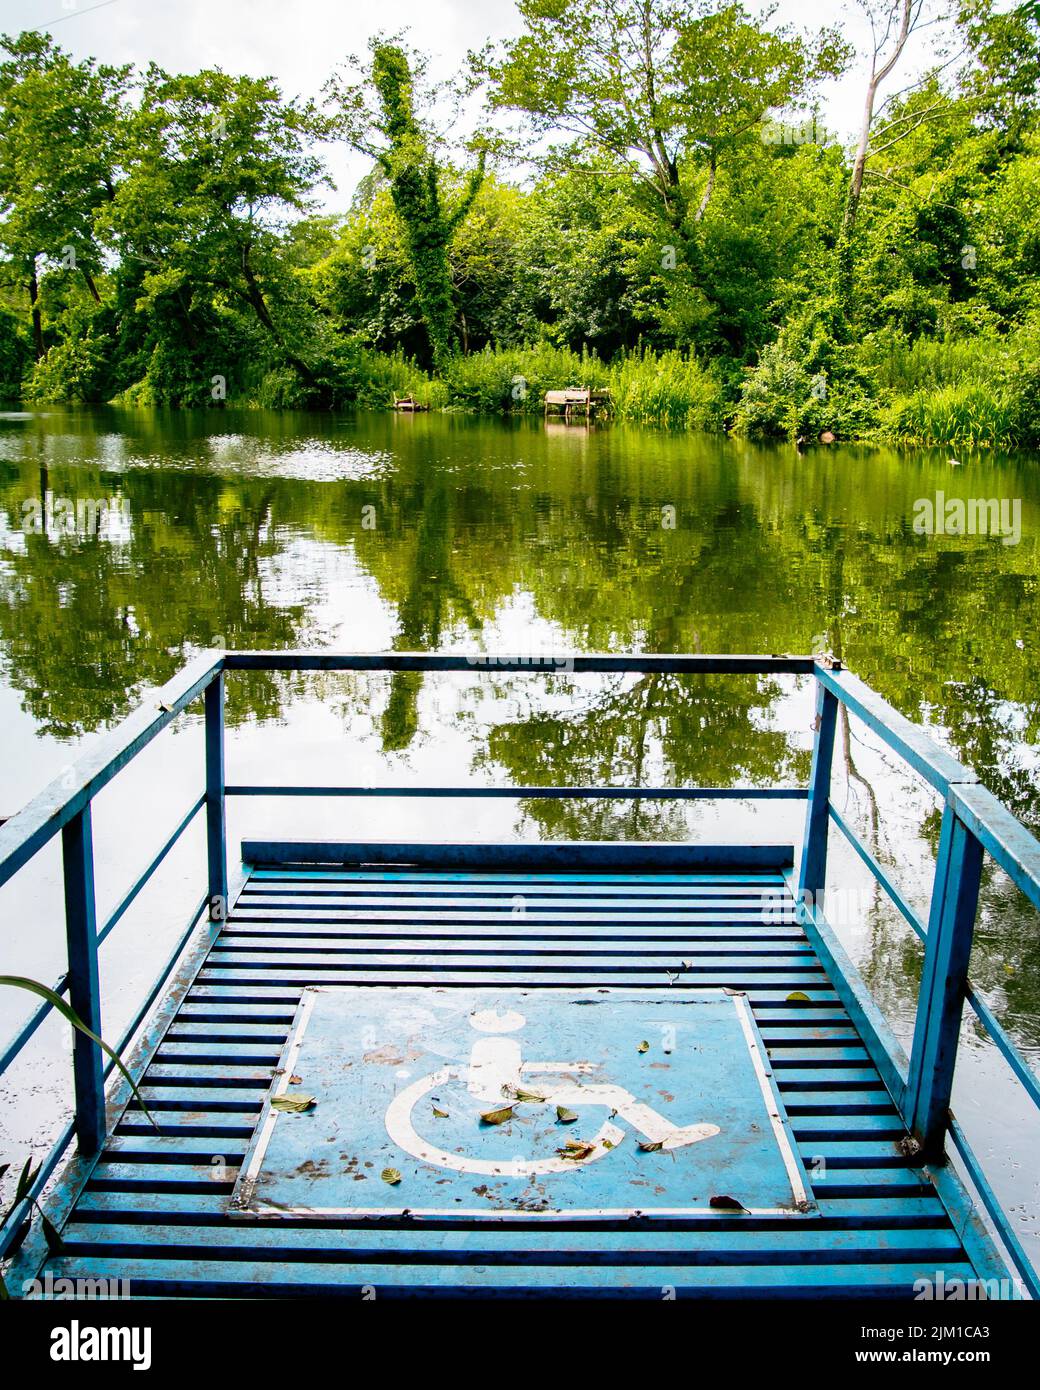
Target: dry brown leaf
(724,1203)
(497,1117)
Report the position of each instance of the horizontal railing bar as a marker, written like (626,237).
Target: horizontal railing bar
(1002,835)
(307,659)
(996,1211)
(35,1019)
(909,740)
(1004,1044)
(537,793)
(879,873)
(132,894)
(634,855)
(38,822)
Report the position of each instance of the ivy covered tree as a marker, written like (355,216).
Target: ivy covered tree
(381,116)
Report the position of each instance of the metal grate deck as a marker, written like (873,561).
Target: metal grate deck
(156,1210)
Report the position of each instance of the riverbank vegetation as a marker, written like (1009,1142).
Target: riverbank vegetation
(646,201)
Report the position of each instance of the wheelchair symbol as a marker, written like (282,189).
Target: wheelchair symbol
(495,1069)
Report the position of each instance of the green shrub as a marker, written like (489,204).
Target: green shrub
(666,388)
(14,357)
(805,383)
(965,413)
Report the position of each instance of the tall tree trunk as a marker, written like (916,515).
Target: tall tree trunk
(90,284)
(859,164)
(37,322)
(256,298)
(709,188)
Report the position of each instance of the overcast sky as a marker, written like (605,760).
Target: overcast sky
(300,41)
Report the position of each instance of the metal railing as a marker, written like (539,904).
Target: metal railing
(974,823)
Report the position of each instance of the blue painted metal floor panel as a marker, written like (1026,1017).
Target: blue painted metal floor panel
(491,1103)
(158,1209)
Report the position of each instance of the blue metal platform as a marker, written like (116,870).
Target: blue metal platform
(154,1213)
(702,1099)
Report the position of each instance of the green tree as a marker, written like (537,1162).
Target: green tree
(63,132)
(381,117)
(219,164)
(668,86)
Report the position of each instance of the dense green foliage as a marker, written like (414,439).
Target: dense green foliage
(687,236)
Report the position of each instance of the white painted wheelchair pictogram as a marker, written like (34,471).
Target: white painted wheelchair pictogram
(494,1072)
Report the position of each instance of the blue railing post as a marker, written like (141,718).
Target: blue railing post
(951,925)
(77,847)
(812,874)
(216,824)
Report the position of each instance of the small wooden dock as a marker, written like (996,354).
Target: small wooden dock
(701,1093)
(576,402)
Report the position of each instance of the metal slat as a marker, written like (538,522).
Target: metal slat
(339,1246)
(275,1279)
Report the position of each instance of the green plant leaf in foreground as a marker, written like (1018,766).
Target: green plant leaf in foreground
(69,1014)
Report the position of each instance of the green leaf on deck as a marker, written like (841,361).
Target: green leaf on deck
(52,1235)
(565,1116)
(292,1105)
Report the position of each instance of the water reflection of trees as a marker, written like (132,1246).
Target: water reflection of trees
(770,552)
(657,729)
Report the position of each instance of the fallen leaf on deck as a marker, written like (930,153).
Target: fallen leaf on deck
(294,1105)
(798,996)
(565,1116)
(497,1117)
(644,1046)
(651,1146)
(575,1151)
(529,1097)
(390,1175)
(439,1114)
(725,1203)
(295,1080)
